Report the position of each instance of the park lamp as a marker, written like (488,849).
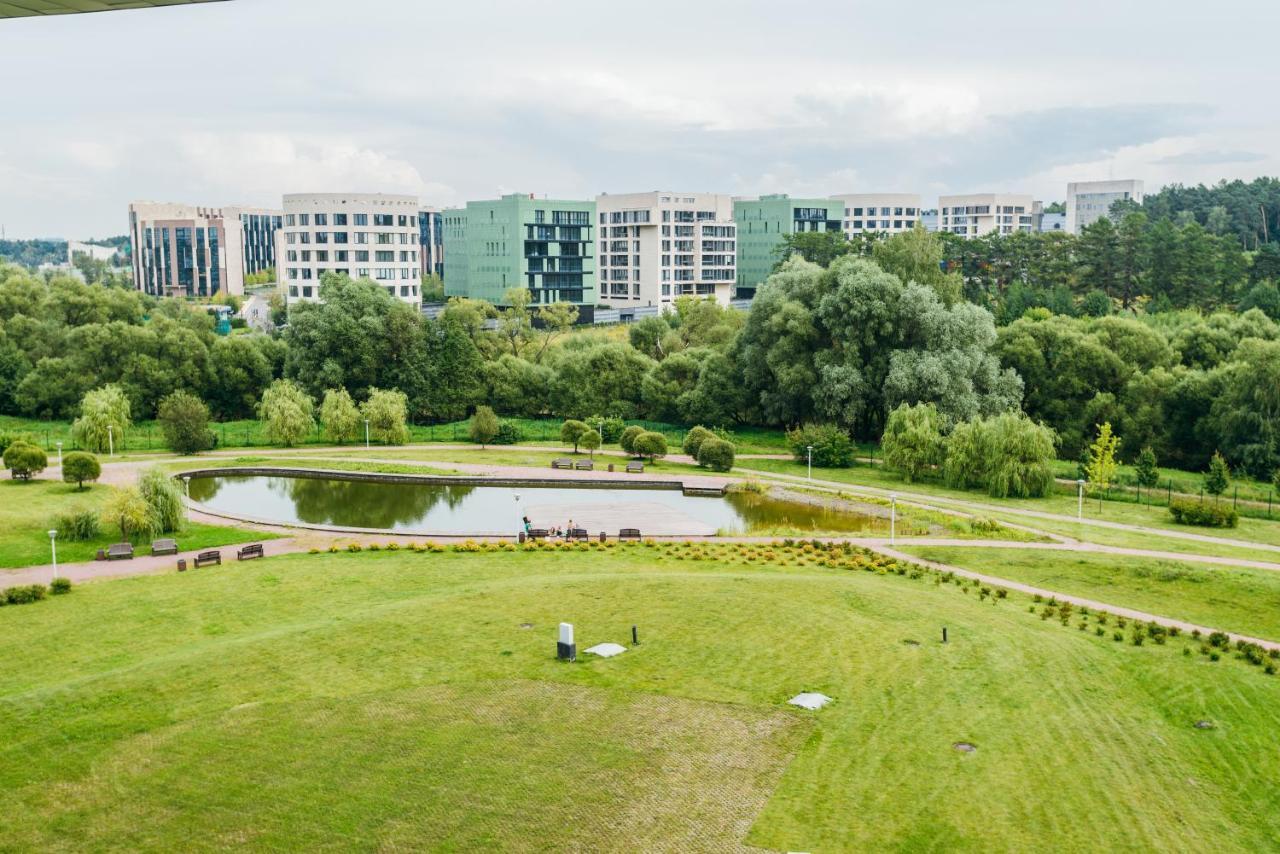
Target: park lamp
(53,547)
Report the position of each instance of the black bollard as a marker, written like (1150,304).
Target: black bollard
(635,636)
(944,634)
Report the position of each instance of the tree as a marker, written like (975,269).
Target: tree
(628,440)
(916,256)
(129,511)
(1022,454)
(1148,474)
(287,412)
(184,419)
(78,467)
(650,444)
(1102,460)
(240,372)
(694,439)
(591,441)
(163,498)
(832,447)
(339,416)
(387,412)
(1218,478)
(716,454)
(104,417)
(912,441)
(483,427)
(23,460)
(571,433)
(816,247)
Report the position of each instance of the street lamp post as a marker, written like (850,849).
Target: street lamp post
(893,518)
(519,515)
(59,455)
(809,450)
(111,441)
(1079,500)
(53,546)
(366,434)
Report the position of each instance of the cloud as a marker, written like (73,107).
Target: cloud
(1210,158)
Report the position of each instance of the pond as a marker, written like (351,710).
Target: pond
(449,508)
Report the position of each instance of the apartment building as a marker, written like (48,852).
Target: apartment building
(986,213)
(762,223)
(879,213)
(431,241)
(656,247)
(1089,201)
(521,241)
(182,250)
(364,235)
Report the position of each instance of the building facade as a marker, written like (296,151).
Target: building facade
(762,223)
(364,235)
(520,241)
(879,213)
(986,213)
(656,247)
(192,251)
(1089,201)
(431,241)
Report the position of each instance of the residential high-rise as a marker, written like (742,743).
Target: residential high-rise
(521,241)
(1089,201)
(984,213)
(879,213)
(194,251)
(365,235)
(431,241)
(658,246)
(762,223)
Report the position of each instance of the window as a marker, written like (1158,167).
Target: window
(289,220)
(381,255)
(362,237)
(382,219)
(322,237)
(340,255)
(322,219)
(362,255)
(339,219)
(304,219)
(307,291)
(339,237)
(359,219)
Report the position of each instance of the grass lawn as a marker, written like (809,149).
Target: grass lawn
(412,700)
(27,512)
(1240,600)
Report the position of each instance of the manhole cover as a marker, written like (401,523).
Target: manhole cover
(1205,725)
(964,747)
(526,625)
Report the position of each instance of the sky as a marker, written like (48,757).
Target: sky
(242,101)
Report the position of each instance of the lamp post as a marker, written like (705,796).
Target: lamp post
(186,491)
(59,455)
(111,441)
(519,516)
(809,451)
(893,518)
(53,546)
(366,434)
(1079,500)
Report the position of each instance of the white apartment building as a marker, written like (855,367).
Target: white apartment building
(193,251)
(655,247)
(879,213)
(1089,201)
(365,235)
(985,213)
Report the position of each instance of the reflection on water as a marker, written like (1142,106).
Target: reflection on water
(449,508)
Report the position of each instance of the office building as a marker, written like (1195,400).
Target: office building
(762,223)
(656,247)
(521,241)
(192,251)
(364,235)
(431,241)
(1051,222)
(986,213)
(1089,201)
(879,213)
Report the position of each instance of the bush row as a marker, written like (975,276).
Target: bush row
(25,594)
(1186,511)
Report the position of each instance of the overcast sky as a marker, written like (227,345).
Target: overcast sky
(239,102)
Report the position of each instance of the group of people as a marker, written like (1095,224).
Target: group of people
(553,532)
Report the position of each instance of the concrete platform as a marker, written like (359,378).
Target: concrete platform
(652,518)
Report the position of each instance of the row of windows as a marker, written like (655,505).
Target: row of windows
(341,237)
(402,220)
(306,273)
(880,212)
(312,291)
(883,224)
(322,255)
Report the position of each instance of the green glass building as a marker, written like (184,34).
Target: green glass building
(519,241)
(761,224)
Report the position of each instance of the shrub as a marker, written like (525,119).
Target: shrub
(650,444)
(286,411)
(912,441)
(164,500)
(693,440)
(508,434)
(23,460)
(128,510)
(610,428)
(104,417)
(60,586)
(184,420)
(339,416)
(77,527)
(716,454)
(1008,455)
(628,438)
(590,440)
(79,466)
(483,427)
(1186,511)
(7,439)
(571,432)
(25,594)
(387,411)
(832,447)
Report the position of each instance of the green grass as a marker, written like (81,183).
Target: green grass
(412,700)
(28,510)
(1240,600)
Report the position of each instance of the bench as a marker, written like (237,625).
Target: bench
(635,468)
(164,547)
(629,534)
(562,464)
(250,552)
(120,551)
(537,533)
(208,559)
(577,534)
(584,465)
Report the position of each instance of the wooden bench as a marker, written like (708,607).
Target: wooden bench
(584,465)
(629,534)
(250,552)
(537,533)
(577,534)
(164,547)
(208,559)
(635,468)
(562,464)
(120,551)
